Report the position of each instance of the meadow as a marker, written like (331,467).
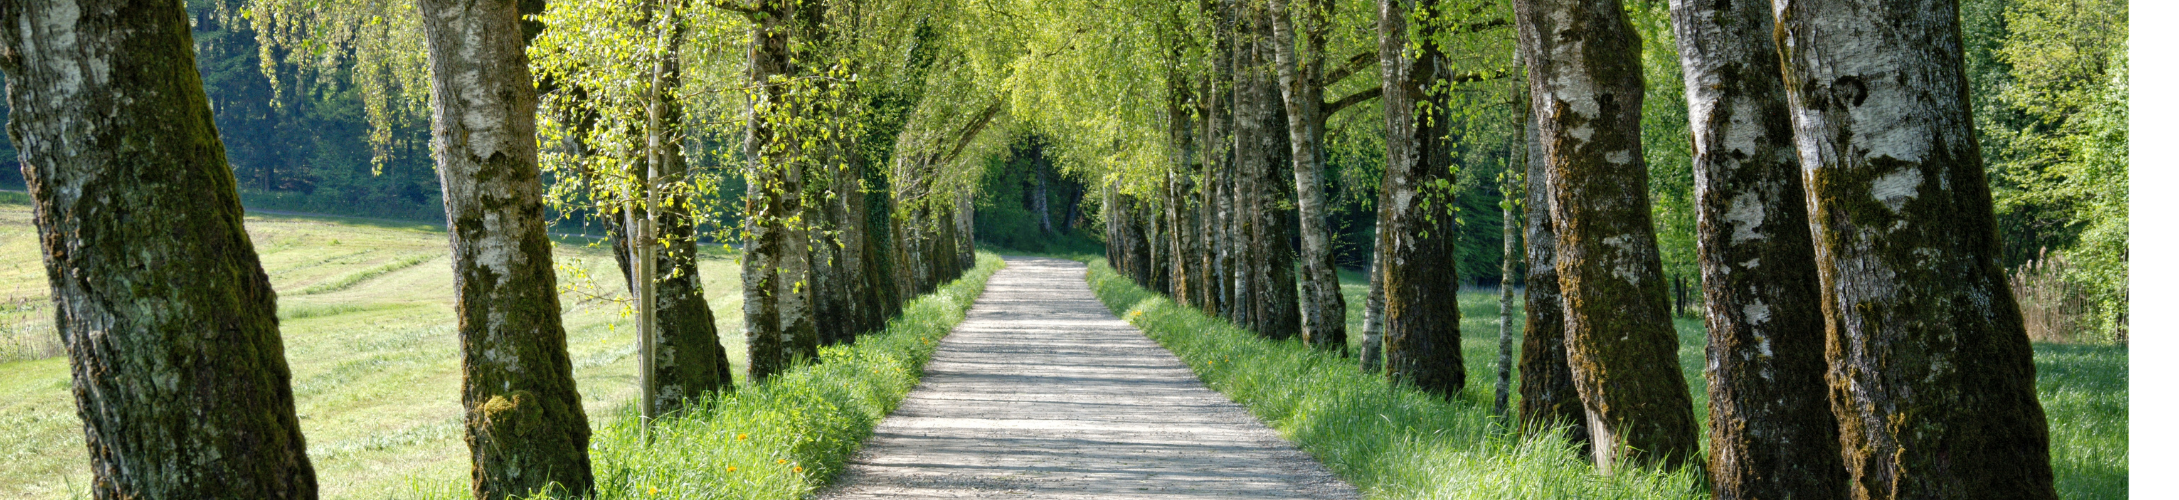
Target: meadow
(367,319)
(1396,442)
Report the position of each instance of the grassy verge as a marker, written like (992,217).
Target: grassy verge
(784,438)
(1447,450)
(1390,442)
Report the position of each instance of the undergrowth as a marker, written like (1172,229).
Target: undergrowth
(1389,441)
(786,437)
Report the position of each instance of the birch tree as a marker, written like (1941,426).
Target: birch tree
(1415,225)
(1931,377)
(1548,397)
(524,421)
(1771,433)
(170,325)
(1585,75)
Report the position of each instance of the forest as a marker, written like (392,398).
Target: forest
(1747,249)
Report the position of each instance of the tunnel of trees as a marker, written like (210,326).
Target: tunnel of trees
(1613,163)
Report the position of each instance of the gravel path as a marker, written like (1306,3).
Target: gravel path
(1042,393)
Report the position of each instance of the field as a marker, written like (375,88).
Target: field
(367,318)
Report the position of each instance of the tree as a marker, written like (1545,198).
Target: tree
(775,259)
(1932,377)
(525,424)
(169,321)
(1261,142)
(1584,72)
(1771,433)
(1548,397)
(1301,71)
(1415,224)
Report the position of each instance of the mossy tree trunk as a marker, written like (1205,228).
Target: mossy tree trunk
(1548,397)
(1277,301)
(1771,430)
(1248,159)
(1415,231)
(775,259)
(525,424)
(1219,158)
(172,332)
(1585,72)
(1932,377)
(689,358)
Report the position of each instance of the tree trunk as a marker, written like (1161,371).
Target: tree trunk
(775,264)
(1931,373)
(1277,296)
(1587,82)
(964,225)
(1219,139)
(1422,313)
(1548,397)
(172,333)
(1247,160)
(1201,204)
(1373,309)
(1038,201)
(1771,430)
(525,422)
(1511,255)
(689,359)
(1323,310)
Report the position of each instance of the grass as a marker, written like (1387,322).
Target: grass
(1400,443)
(784,438)
(1074,247)
(367,320)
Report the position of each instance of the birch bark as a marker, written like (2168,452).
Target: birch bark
(171,329)
(1584,71)
(1931,377)
(1771,430)
(525,424)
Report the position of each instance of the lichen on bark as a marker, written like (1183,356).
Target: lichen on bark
(1771,432)
(1931,373)
(524,421)
(173,342)
(1585,74)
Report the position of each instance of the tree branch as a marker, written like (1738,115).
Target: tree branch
(977,127)
(1354,64)
(1332,108)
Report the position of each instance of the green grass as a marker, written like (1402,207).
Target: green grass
(368,326)
(787,437)
(1400,443)
(1073,247)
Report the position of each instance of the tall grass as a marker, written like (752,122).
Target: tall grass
(26,330)
(1340,416)
(784,438)
(1389,441)
(2054,308)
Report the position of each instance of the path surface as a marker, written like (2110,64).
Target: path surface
(1042,393)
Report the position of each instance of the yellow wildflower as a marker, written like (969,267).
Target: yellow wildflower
(782,460)
(742,437)
(798,469)
(731,468)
